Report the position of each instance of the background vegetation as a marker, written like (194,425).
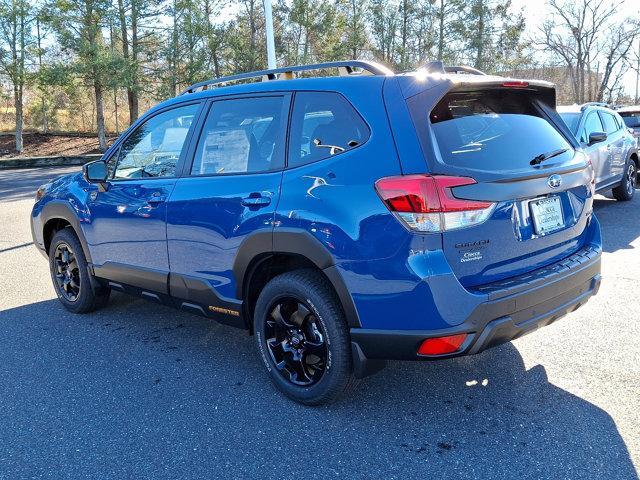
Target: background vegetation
(96,65)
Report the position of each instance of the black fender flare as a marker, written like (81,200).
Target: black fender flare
(57,209)
(292,241)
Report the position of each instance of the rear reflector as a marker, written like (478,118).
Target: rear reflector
(442,345)
(426,203)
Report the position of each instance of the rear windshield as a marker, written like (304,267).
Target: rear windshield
(494,130)
(572,119)
(631,120)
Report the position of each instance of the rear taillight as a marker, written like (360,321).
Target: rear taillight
(426,203)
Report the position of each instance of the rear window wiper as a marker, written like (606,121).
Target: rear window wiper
(546,156)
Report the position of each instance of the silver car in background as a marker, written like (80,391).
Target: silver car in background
(612,149)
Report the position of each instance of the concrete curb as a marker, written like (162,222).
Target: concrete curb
(62,161)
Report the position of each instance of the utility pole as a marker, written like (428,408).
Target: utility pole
(271,47)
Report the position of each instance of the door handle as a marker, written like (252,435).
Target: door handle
(156,198)
(256,200)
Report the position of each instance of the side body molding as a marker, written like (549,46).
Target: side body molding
(292,241)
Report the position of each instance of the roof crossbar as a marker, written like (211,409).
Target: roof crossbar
(348,67)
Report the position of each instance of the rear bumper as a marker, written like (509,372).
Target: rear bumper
(513,308)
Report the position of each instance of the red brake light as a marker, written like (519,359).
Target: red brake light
(426,203)
(515,84)
(442,345)
(425,194)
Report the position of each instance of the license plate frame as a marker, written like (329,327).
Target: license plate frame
(547,215)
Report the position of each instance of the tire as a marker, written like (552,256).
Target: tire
(306,348)
(76,289)
(624,192)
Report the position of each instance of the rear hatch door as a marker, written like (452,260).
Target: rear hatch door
(507,136)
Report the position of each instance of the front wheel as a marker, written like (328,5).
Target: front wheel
(624,192)
(303,338)
(71,277)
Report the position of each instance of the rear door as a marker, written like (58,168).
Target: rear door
(229,191)
(509,141)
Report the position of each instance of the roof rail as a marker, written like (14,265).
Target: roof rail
(347,67)
(437,66)
(593,104)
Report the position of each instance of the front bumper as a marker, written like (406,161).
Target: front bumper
(514,307)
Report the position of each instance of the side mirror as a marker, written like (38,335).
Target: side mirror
(597,137)
(96,172)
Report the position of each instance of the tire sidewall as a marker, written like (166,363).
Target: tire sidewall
(85,297)
(337,364)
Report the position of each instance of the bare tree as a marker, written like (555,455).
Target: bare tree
(575,34)
(15,19)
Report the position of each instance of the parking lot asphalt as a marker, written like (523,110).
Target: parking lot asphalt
(138,390)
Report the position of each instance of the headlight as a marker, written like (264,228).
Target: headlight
(42,190)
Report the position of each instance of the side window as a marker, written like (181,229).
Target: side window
(610,124)
(243,135)
(619,121)
(592,124)
(153,149)
(323,124)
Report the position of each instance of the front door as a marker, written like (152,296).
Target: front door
(230,191)
(598,152)
(127,232)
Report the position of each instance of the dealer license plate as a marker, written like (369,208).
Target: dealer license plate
(547,215)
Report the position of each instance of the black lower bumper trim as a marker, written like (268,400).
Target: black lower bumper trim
(495,322)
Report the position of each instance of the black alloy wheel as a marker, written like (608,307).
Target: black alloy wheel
(296,342)
(67,273)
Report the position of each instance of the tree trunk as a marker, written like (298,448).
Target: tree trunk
(132,92)
(17,96)
(441,31)
(102,137)
(122,17)
(480,38)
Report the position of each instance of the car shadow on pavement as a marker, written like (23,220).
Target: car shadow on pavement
(137,378)
(620,221)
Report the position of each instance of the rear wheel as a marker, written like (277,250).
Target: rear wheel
(624,192)
(71,278)
(303,338)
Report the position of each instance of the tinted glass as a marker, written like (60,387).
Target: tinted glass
(592,124)
(493,130)
(243,135)
(154,148)
(632,120)
(572,119)
(610,124)
(323,124)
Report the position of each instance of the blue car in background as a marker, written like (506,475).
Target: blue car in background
(341,220)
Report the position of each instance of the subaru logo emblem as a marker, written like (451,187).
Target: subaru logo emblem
(554,181)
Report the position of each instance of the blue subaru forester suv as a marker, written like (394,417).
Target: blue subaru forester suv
(343,220)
